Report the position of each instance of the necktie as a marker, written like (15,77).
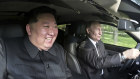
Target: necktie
(96,46)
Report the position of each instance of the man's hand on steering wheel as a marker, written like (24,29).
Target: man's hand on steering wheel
(131,53)
(129,56)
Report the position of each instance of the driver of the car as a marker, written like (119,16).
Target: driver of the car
(93,57)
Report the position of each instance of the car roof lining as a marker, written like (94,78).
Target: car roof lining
(67,10)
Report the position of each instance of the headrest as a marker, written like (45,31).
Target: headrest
(81,29)
(77,29)
(12,30)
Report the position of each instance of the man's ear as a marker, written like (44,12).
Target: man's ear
(87,29)
(28,29)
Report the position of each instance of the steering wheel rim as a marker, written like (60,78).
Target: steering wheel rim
(128,63)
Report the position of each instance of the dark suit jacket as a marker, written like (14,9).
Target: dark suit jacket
(91,63)
(20,59)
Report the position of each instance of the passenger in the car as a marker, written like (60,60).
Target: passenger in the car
(36,56)
(93,57)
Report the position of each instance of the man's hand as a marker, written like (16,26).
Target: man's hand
(131,53)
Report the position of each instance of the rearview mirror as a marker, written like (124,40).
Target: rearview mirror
(128,25)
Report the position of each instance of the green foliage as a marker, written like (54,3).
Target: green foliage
(122,41)
(110,29)
(62,27)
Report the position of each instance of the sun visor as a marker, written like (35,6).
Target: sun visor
(111,5)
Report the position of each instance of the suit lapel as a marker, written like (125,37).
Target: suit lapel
(90,45)
(99,49)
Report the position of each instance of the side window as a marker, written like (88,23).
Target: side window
(62,27)
(111,35)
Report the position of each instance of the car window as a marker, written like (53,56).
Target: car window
(111,35)
(136,2)
(62,27)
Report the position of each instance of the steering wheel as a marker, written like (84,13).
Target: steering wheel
(128,63)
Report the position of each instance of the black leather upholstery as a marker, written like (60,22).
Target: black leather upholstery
(76,33)
(12,30)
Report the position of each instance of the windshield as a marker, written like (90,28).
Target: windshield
(136,2)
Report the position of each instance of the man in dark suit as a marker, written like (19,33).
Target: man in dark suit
(36,56)
(93,57)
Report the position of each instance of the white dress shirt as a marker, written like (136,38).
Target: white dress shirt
(94,43)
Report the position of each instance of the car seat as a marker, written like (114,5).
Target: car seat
(75,34)
(12,30)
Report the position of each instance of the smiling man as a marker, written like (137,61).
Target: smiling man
(93,57)
(37,56)
(43,33)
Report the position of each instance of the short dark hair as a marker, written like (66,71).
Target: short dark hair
(89,23)
(32,15)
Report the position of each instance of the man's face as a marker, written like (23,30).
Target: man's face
(95,32)
(43,33)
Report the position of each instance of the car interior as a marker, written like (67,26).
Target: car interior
(74,14)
